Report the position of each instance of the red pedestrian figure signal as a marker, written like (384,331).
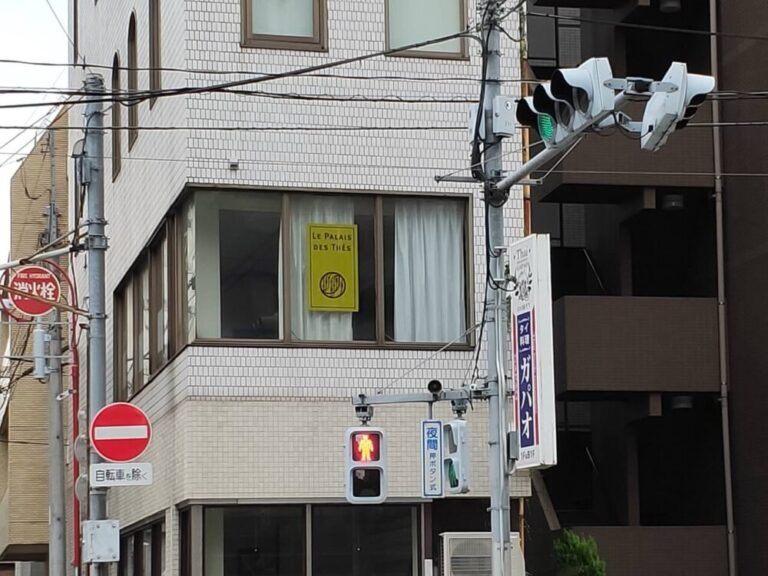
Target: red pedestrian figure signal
(365,446)
(365,476)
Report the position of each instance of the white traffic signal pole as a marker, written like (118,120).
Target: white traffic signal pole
(495,317)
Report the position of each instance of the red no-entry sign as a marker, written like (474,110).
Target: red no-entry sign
(120,432)
(36,281)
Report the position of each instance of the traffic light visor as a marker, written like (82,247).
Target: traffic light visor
(366,446)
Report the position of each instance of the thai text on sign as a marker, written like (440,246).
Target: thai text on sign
(332,271)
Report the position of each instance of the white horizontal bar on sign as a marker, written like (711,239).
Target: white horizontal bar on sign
(120,432)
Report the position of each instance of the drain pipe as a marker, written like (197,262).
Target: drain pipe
(722,334)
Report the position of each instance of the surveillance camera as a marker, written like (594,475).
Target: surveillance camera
(435,386)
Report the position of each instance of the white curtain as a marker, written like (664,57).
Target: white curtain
(283,17)
(429,270)
(305,324)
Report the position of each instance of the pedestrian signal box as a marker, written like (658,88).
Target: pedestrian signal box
(365,480)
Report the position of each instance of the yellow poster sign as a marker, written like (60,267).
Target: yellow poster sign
(332,273)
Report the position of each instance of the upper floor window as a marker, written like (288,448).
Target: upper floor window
(133,82)
(294,268)
(144,336)
(154,48)
(339,268)
(413,21)
(296,24)
(116,117)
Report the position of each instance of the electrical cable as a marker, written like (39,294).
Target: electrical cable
(649,26)
(257,128)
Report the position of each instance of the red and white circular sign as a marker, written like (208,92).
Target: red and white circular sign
(120,432)
(37,281)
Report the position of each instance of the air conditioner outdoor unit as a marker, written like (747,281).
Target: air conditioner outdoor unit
(469,554)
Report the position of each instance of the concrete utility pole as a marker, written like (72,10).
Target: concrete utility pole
(96,244)
(56,503)
(496,319)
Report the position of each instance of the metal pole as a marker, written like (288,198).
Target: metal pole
(96,246)
(57,547)
(722,327)
(549,154)
(499,485)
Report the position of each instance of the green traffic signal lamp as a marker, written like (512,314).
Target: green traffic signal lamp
(546,127)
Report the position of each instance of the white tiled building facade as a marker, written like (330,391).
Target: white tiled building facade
(250,422)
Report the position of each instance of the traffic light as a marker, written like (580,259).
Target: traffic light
(456,457)
(670,111)
(365,479)
(569,104)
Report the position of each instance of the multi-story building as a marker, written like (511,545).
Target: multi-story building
(24,403)
(209,195)
(645,365)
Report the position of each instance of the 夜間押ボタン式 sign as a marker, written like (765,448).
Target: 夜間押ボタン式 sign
(332,270)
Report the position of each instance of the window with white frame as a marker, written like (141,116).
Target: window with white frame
(291,24)
(414,21)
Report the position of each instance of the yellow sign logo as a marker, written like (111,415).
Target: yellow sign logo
(332,285)
(332,271)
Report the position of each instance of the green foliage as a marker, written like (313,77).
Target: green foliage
(577,555)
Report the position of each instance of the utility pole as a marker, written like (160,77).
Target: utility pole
(495,319)
(96,244)
(56,503)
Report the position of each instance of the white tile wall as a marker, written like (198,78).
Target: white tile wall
(225,418)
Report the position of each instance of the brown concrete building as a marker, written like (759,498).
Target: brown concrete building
(24,415)
(640,373)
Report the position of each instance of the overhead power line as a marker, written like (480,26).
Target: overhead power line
(256,128)
(649,26)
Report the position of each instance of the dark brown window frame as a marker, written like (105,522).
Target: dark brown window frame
(133,537)
(462,54)
(116,124)
(380,342)
(317,43)
(172,230)
(175,342)
(133,82)
(155,73)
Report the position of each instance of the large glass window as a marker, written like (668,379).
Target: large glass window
(298,24)
(237,250)
(142,552)
(413,21)
(307,210)
(424,262)
(263,540)
(336,540)
(243,265)
(364,540)
(142,320)
(345,268)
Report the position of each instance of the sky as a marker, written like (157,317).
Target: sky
(28,31)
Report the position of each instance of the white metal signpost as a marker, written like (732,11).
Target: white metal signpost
(432,458)
(533,367)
